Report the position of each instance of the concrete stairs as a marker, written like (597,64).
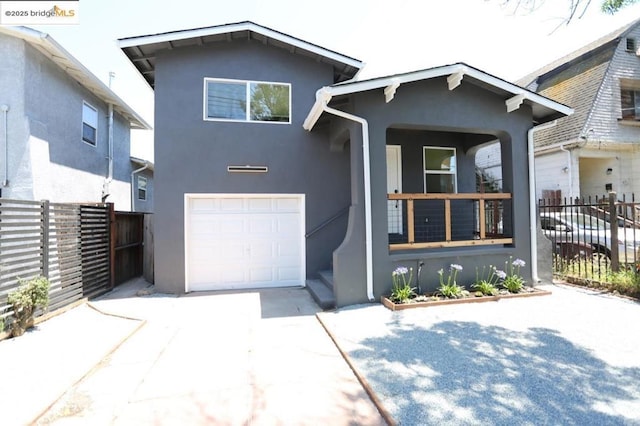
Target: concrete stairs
(321,290)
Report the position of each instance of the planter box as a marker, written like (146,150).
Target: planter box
(472,299)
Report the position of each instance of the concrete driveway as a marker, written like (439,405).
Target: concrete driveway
(572,358)
(246,358)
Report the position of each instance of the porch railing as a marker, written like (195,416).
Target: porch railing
(418,221)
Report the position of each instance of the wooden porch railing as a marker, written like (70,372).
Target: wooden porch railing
(482,236)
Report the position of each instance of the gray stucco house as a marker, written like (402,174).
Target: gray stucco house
(597,149)
(275,166)
(64,135)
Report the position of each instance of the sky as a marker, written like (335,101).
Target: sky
(390,36)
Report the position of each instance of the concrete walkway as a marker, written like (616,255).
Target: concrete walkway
(572,358)
(247,358)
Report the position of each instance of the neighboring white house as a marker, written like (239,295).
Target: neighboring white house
(597,149)
(64,135)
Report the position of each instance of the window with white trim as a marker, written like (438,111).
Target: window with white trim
(89,124)
(439,170)
(142,188)
(247,101)
(630,103)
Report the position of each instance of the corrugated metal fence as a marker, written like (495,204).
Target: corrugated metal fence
(70,244)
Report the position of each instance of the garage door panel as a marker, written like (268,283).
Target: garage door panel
(245,242)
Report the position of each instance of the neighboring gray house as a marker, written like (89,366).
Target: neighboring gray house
(64,135)
(142,185)
(597,149)
(274,164)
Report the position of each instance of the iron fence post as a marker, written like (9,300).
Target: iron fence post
(613,226)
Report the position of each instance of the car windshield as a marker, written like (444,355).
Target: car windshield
(583,221)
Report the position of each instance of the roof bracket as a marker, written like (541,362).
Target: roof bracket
(390,92)
(455,79)
(514,102)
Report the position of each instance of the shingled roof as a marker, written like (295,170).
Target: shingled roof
(574,80)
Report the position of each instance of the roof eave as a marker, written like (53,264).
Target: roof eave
(239,26)
(46,45)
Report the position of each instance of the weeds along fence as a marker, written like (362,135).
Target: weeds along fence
(83,249)
(592,238)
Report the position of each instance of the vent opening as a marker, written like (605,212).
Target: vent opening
(247,169)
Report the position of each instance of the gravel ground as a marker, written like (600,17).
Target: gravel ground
(572,358)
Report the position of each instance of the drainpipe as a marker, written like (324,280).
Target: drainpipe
(367,184)
(106,190)
(563,149)
(133,191)
(5,177)
(532,198)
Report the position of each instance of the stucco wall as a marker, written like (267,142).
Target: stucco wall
(68,169)
(47,157)
(192,155)
(12,70)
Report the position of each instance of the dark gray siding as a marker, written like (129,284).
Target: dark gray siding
(429,105)
(192,155)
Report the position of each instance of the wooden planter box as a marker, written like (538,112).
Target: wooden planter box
(471,299)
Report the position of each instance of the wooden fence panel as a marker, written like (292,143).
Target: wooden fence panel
(129,242)
(83,249)
(96,254)
(67,243)
(21,240)
(147,263)
(65,255)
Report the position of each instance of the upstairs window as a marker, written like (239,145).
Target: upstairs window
(248,101)
(440,170)
(630,102)
(631,45)
(142,188)
(89,124)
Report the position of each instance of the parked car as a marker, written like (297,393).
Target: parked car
(579,228)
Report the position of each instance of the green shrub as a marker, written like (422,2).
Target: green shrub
(449,288)
(29,296)
(513,282)
(486,283)
(401,290)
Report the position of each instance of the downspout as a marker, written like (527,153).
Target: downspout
(5,140)
(106,190)
(532,198)
(570,171)
(110,173)
(133,191)
(367,185)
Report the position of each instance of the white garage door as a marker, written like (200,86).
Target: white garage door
(244,241)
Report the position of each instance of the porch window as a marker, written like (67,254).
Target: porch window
(439,170)
(630,100)
(249,101)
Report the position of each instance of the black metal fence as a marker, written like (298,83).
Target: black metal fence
(592,237)
(70,244)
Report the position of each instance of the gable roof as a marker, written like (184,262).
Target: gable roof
(46,45)
(141,50)
(577,55)
(544,109)
(575,79)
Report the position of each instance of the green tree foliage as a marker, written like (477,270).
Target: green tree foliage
(576,8)
(612,6)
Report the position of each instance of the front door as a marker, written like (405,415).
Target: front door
(394,186)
